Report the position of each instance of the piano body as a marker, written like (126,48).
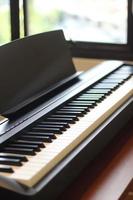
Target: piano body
(55,120)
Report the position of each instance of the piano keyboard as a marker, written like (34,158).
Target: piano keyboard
(40,147)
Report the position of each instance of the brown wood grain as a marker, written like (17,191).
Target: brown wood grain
(83,64)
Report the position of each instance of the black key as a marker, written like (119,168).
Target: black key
(40,144)
(60,119)
(6,169)
(39,133)
(74,117)
(45,130)
(19,151)
(29,146)
(85,108)
(10,161)
(36,138)
(77,113)
(61,127)
(64,124)
(14,156)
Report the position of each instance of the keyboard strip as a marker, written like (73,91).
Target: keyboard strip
(38,166)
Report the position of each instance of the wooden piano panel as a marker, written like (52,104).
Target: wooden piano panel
(109,175)
(83,64)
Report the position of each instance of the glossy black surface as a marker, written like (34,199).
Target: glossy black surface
(30,67)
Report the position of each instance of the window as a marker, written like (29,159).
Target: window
(4,21)
(9,20)
(101,20)
(93,28)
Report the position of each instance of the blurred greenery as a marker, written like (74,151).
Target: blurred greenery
(45,15)
(4,25)
(39,22)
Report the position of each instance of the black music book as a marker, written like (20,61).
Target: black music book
(38,76)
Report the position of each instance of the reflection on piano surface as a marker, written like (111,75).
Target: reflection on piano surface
(42,135)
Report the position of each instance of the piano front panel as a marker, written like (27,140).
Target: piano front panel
(41,146)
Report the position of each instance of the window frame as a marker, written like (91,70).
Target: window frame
(83,49)
(14,19)
(107,50)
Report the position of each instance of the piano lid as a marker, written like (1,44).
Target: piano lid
(29,67)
